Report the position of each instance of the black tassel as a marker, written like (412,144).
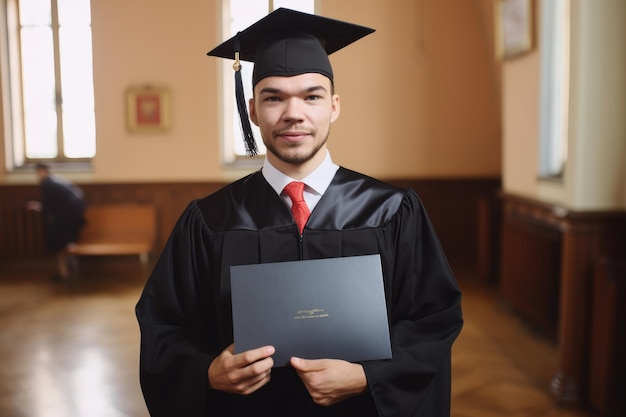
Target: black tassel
(246,127)
(242,108)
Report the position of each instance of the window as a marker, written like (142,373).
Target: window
(238,15)
(554,97)
(47,79)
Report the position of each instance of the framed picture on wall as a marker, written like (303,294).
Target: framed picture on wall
(147,109)
(515,27)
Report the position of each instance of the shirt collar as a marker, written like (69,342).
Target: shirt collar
(316,182)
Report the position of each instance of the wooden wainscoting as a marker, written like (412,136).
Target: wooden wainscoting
(466,215)
(20,229)
(607,379)
(463,211)
(552,257)
(531,265)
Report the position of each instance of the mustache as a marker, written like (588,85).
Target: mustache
(293,130)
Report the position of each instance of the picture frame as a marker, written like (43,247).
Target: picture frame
(515,27)
(147,109)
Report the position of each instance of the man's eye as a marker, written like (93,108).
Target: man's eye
(313,97)
(272,98)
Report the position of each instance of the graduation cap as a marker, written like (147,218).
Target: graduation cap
(285,43)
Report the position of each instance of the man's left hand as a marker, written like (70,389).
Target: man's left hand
(330,381)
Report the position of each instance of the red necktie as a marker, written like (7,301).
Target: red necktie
(299,209)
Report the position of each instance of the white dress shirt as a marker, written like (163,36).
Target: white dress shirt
(316,182)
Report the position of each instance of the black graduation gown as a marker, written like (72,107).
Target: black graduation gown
(184,312)
(63,210)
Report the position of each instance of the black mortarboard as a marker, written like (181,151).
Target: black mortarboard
(285,43)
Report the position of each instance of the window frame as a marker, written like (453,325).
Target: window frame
(12,94)
(230,132)
(554,90)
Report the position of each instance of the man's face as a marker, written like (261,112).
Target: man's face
(41,173)
(294,115)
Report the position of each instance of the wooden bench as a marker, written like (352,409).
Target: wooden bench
(117,229)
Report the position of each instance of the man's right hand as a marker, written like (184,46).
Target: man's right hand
(243,373)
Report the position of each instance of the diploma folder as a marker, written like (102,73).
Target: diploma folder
(324,308)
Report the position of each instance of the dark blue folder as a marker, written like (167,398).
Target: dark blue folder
(324,308)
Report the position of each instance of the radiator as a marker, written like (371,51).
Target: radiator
(21,232)
(531,269)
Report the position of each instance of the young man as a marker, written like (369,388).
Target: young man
(188,362)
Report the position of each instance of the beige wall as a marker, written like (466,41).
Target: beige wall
(598,122)
(520,122)
(595,178)
(420,97)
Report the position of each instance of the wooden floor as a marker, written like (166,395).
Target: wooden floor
(71,349)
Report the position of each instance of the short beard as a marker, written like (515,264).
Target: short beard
(295,158)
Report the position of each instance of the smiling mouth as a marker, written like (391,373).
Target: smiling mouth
(293,136)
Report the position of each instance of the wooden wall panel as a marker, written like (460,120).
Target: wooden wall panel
(466,216)
(607,379)
(463,211)
(531,267)
(564,246)
(20,230)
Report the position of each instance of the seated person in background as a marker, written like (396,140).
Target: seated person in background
(63,207)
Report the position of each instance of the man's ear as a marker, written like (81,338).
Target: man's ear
(336,108)
(252,111)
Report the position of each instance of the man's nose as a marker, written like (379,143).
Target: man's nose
(293,110)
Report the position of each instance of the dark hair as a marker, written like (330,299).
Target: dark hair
(42,165)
